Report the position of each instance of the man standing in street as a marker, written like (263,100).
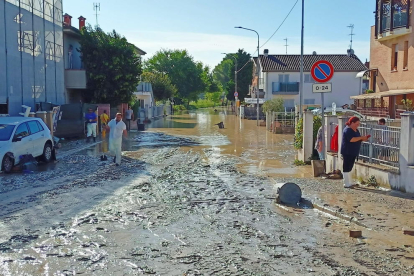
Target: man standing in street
(104,121)
(129,115)
(91,120)
(116,128)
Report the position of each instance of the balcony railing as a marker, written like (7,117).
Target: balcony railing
(286,88)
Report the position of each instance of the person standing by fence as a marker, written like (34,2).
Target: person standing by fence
(351,145)
(319,144)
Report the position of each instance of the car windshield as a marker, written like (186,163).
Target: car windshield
(5,132)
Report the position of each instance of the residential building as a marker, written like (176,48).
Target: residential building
(75,73)
(280,77)
(392,58)
(31,54)
(145,95)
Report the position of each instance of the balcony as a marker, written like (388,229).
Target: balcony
(75,79)
(394,19)
(285,88)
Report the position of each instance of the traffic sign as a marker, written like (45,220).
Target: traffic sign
(236,94)
(322,71)
(322,87)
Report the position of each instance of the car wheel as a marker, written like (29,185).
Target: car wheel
(47,153)
(7,164)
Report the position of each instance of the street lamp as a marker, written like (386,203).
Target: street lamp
(257,71)
(235,76)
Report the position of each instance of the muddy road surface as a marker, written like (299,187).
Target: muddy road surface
(184,202)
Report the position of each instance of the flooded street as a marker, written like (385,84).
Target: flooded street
(188,199)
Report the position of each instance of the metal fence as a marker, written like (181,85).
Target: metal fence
(384,145)
(283,120)
(251,113)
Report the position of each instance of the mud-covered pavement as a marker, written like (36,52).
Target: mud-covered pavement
(184,202)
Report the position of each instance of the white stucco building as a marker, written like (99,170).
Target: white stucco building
(280,77)
(144,95)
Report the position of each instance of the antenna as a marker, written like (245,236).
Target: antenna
(351,26)
(286,45)
(96,8)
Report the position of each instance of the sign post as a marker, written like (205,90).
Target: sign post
(322,71)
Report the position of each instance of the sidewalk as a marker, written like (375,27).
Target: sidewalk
(381,215)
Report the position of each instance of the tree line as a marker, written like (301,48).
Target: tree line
(114,70)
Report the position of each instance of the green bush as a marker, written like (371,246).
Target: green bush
(274,105)
(179,107)
(298,140)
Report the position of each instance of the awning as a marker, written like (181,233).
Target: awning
(362,74)
(379,95)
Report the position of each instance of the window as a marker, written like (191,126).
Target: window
(394,57)
(308,78)
(40,126)
(309,101)
(22,131)
(275,86)
(405,55)
(283,78)
(289,103)
(34,127)
(5,132)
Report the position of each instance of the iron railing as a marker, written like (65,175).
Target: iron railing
(383,147)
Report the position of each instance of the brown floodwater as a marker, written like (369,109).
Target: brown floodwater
(259,151)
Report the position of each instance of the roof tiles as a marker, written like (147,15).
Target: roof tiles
(291,63)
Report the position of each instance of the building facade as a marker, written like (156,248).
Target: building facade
(280,78)
(31,54)
(392,60)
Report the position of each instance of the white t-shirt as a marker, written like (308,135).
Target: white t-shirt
(117,129)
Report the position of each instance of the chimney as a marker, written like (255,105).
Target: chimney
(266,52)
(81,22)
(67,20)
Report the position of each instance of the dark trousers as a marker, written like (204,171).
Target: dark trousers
(128,124)
(349,161)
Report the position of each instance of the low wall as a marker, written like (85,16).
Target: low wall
(402,181)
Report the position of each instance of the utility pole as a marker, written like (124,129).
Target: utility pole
(97,8)
(351,26)
(301,60)
(286,45)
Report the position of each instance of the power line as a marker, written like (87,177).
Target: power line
(244,65)
(281,24)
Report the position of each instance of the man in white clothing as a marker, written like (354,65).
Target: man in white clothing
(116,128)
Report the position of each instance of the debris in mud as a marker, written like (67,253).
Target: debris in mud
(355,233)
(288,193)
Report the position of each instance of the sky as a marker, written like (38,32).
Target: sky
(206,27)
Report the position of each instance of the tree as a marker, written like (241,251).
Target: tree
(184,73)
(224,74)
(112,66)
(161,85)
(274,105)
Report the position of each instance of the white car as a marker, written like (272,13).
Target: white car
(24,135)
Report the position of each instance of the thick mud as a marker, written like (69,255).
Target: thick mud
(178,205)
